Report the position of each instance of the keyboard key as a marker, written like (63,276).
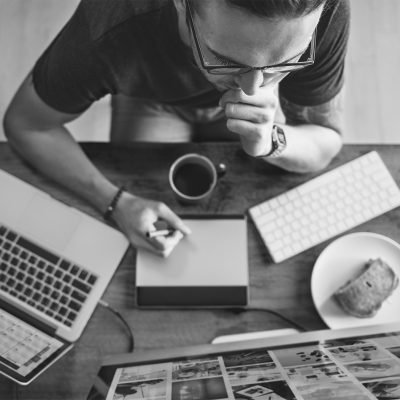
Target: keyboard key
(49,279)
(55,295)
(58,274)
(11,236)
(74,305)
(33,248)
(83,275)
(40,275)
(66,290)
(78,296)
(29,280)
(46,290)
(32,259)
(22,297)
(49,269)
(50,313)
(19,287)
(45,301)
(65,265)
(81,286)
(74,270)
(23,266)
(71,316)
(37,296)
(63,311)
(3,230)
(92,279)
(11,282)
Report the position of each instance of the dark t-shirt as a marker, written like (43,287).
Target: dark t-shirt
(133,47)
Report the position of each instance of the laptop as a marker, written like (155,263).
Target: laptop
(55,263)
(356,363)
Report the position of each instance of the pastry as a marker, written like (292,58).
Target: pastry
(363,295)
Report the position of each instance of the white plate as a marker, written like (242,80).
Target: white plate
(339,262)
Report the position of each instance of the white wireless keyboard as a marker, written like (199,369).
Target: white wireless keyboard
(325,206)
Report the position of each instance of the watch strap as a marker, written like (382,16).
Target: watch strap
(278,140)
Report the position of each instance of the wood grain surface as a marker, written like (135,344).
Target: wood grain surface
(283,287)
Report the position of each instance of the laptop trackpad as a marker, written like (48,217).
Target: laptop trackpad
(49,222)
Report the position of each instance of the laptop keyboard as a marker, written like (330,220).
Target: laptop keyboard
(52,285)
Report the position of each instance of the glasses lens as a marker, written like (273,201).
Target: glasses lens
(284,69)
(226,71)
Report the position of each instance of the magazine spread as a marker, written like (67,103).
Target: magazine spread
(343,369)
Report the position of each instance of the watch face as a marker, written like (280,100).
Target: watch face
(281,137)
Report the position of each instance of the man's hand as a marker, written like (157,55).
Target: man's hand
(251,117)
(136,216)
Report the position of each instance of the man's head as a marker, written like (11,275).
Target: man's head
(252,33)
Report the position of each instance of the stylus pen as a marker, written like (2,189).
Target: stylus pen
(161,232)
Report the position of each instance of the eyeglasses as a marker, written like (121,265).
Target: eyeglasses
(234,69)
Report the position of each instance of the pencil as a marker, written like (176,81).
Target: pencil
(161,232)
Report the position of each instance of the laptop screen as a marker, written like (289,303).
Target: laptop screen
(338,366)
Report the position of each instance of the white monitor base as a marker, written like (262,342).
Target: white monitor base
(254,335)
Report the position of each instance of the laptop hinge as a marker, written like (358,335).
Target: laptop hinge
(36,321)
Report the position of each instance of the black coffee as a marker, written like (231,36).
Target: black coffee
(193,179)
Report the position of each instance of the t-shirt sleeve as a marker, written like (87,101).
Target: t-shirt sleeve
(322,81)
(70,75)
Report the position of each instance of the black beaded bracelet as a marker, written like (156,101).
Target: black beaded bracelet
(110,209)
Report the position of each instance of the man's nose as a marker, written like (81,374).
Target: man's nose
(250,81)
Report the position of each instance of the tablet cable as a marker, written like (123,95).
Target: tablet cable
(123,320)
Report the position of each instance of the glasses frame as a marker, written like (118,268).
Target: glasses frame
(211,68)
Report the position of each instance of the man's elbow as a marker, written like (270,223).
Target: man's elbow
(14,125)
(327,154)
(10,124)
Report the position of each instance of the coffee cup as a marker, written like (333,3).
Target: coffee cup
(193,177)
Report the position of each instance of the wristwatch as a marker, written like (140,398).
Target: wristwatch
(278,142)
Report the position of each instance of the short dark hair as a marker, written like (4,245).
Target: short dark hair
(278,8)
(275,8)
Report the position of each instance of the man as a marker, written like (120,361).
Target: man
(181,70)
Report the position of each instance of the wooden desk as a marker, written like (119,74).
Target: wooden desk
(143,170)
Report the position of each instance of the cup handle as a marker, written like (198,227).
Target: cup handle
(221,170)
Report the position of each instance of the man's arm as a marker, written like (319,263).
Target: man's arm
(313,135)
(37,132)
